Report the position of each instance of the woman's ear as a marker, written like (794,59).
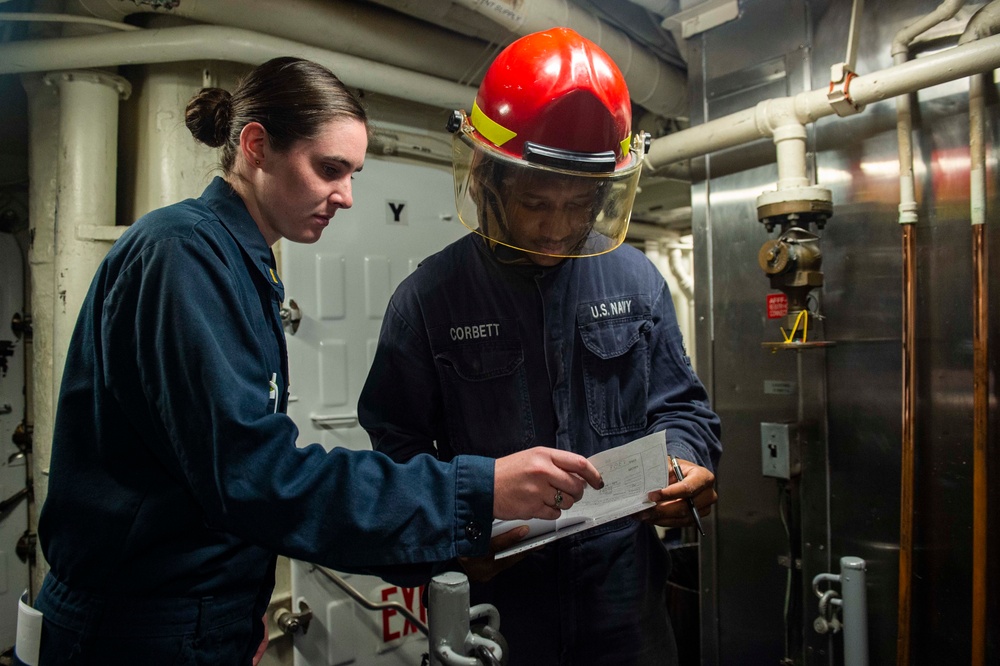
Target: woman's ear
(253,141)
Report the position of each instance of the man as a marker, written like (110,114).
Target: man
(536,330)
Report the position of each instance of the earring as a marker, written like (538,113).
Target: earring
(257,162)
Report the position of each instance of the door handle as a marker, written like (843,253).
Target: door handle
(334,421)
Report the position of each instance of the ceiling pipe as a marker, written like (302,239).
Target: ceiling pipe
(43,17)
(652,83)
(356,28)
(227,44)
(759,122)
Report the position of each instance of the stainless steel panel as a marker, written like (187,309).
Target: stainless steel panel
(849,396)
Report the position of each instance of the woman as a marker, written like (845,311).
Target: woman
(175,479)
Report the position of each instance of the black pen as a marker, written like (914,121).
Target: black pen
(690,502)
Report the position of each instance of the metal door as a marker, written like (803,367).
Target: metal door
(341,285)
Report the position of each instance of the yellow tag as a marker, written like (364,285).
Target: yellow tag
(274,278)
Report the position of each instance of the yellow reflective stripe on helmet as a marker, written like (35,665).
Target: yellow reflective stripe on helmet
(489,128)
(626,145)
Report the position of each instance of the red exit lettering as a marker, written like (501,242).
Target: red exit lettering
(413,600)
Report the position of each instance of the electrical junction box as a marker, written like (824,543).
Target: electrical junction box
(779,450)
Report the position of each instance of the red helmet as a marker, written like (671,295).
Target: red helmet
(554,89)
(553,108)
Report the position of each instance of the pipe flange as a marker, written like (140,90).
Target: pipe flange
(120,84)
(809,204)
(808,196)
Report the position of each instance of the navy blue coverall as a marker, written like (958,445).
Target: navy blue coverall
(479,356)
(175,477)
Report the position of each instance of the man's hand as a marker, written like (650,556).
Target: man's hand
(540,483)
(482,569)
(671,510)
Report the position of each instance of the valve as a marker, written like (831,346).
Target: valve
(292,623)
(792,262)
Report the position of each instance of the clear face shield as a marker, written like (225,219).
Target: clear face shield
(537,206)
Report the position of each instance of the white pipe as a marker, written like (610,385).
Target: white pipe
(790,141)
(43,113)
(902,39)
(807,107)
(86,173)
(977,149)
(685,280)
(361,29)
(984,23)
(228,44)
(82,108)
(652,83)
(904,112)
(41,17)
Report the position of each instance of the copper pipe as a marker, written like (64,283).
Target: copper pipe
(980,421)
(908,444)
(980,367)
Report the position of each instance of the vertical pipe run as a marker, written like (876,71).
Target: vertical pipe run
(83,107)
(87,172)
(43,115)
(908,444)
(855,608)
(980,366)
(448,616)
(790,143)
(908,218)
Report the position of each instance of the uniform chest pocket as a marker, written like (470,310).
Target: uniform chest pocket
(616,373)
(487,406)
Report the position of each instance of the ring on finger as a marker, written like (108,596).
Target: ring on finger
(559,499)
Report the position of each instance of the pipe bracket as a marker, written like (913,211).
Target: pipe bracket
(840,97)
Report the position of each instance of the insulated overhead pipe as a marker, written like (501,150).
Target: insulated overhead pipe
(760,121)
(202,42)
(358,28)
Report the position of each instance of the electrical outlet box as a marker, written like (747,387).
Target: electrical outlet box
(779,450)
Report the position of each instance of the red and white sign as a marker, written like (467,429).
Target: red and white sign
(777,306)
(394,624)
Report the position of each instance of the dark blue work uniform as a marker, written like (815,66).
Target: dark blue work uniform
(175,478)
(479,356)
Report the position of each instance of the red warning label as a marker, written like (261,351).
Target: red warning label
(777,306)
